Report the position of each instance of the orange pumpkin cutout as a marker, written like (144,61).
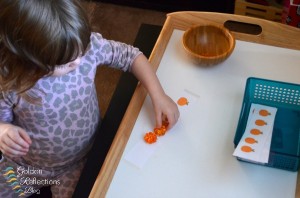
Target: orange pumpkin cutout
(150,137)
(264,112)
(247,149)
(250,140)
(256,132)
(260,122)
(182,101)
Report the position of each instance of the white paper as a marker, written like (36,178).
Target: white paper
(258,145)
(141,152)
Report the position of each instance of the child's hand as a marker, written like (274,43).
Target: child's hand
(14,141)
(165,109)
(164,106)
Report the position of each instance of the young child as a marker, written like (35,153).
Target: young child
(48,103)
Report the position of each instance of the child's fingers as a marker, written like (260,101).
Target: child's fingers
(18,140)
(12,152)
(11,149)
(172,119)
(14,141)
(158,119)
(25,136)
(12,145)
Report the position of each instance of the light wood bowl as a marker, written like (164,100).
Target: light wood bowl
(208,44)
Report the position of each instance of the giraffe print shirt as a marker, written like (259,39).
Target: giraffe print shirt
(62,128)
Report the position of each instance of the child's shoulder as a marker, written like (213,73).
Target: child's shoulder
(96,35)
(96,41)
(96,38)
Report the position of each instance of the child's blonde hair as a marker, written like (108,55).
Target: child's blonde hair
(36,36)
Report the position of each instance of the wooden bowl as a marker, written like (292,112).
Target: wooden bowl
(208,44)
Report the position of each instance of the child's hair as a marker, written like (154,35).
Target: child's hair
(36,36)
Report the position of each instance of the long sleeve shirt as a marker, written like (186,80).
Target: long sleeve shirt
(63,126)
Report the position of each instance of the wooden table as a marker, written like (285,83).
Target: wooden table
(274,34)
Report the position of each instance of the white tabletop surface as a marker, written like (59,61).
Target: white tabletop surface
(194,159)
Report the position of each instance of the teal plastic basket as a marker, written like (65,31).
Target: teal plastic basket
(284,151)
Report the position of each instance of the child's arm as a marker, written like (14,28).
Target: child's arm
(120,55)
(14,141)
(164,106)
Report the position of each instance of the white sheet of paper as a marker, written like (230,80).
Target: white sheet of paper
(141,152)
(261,147)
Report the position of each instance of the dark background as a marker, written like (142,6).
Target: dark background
(225,6)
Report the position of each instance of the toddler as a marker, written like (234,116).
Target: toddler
(48,103)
